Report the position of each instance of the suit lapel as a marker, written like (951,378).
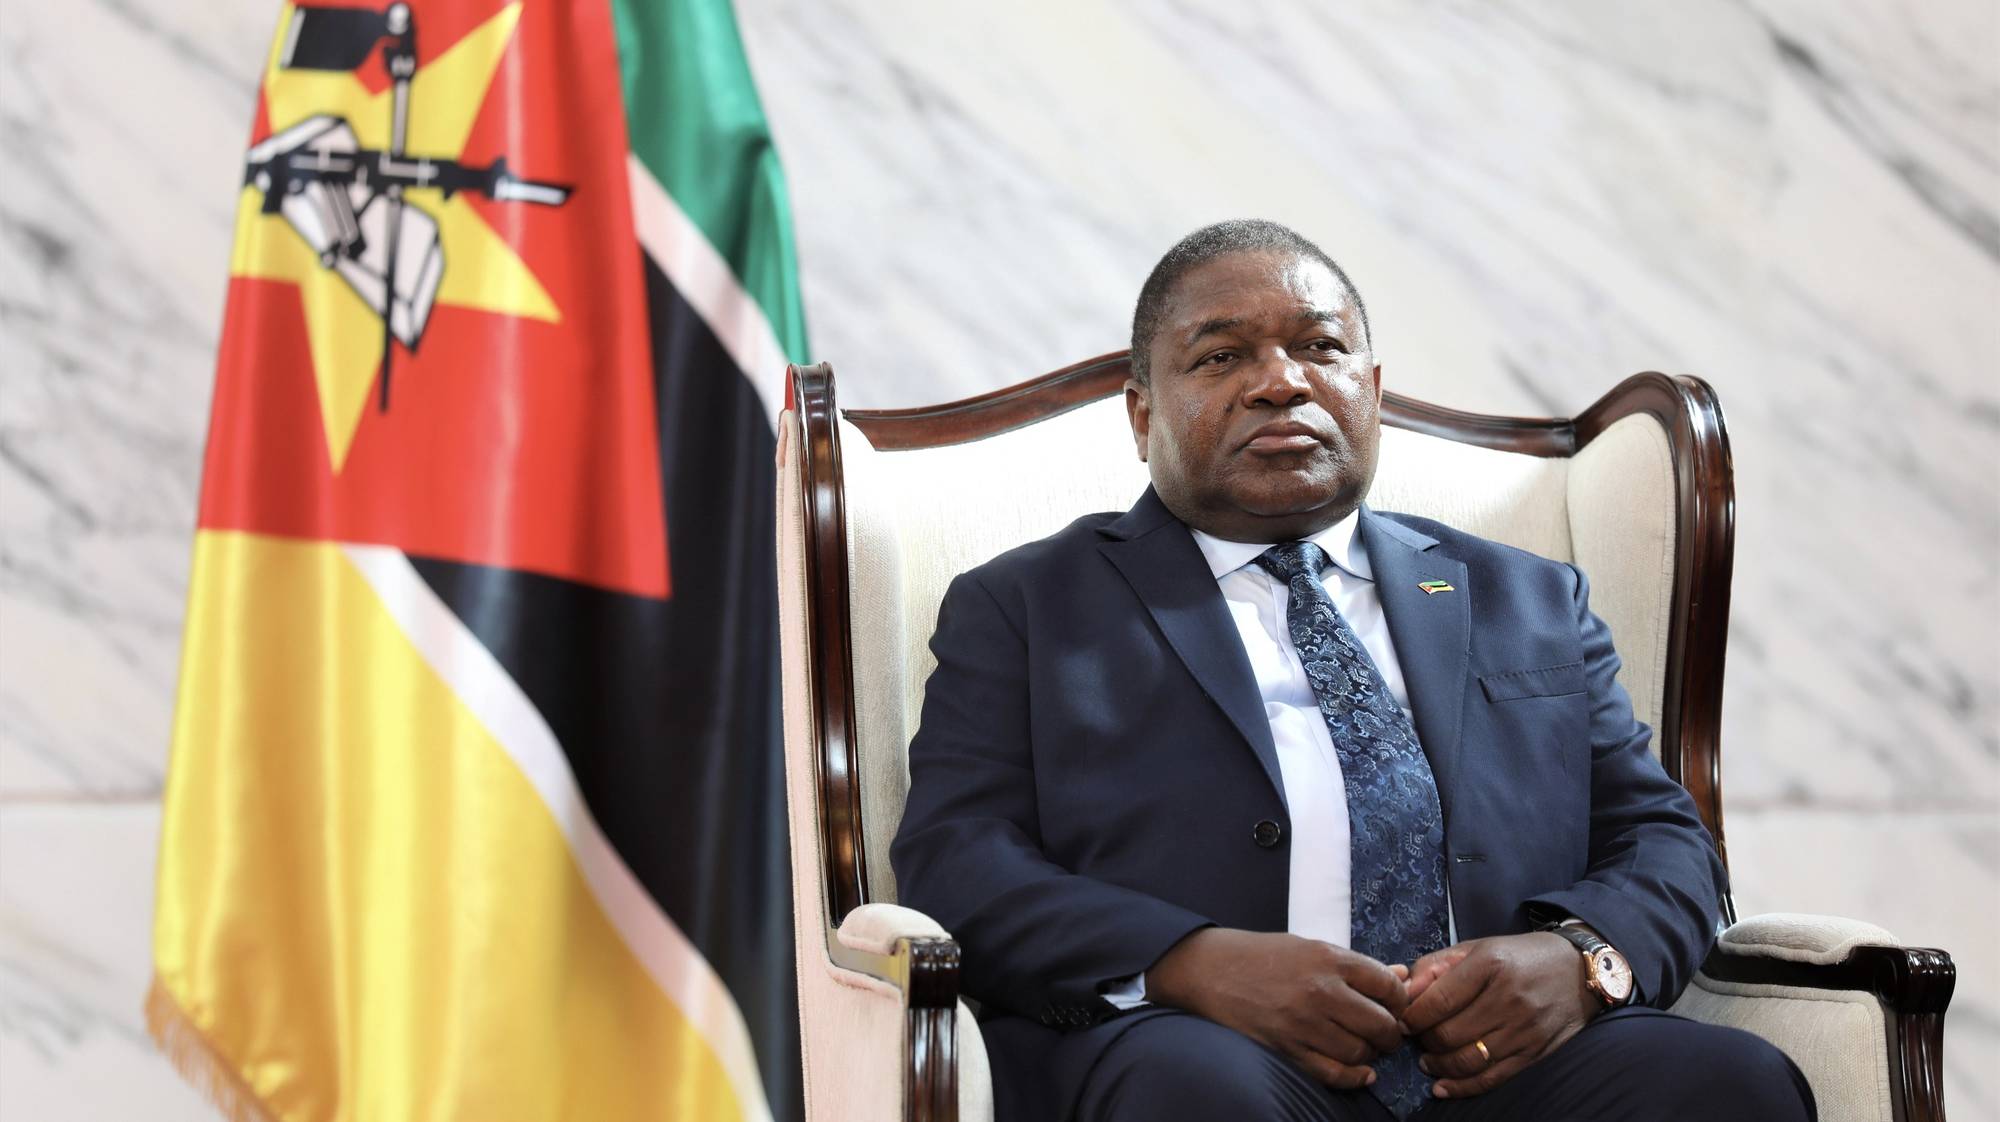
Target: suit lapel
(1432,632)
(1165,569)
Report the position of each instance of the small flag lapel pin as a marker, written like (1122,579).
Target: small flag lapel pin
(1433,587)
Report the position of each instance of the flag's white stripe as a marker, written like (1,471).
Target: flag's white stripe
(705,280)
(497,701)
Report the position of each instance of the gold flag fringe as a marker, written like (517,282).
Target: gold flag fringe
(188,1048)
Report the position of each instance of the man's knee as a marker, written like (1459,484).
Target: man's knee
(1180,1066)
(1743,1072)
(1690,1069)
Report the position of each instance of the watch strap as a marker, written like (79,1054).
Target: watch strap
(1584,941)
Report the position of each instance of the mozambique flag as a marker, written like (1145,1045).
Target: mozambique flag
(475,804)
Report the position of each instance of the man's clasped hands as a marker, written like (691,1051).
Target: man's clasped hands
(1480,1011)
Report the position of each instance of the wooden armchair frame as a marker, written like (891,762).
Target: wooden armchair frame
(1914,985)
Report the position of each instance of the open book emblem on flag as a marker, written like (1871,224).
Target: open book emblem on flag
(347,200)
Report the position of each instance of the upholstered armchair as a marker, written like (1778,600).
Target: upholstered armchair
(878,511)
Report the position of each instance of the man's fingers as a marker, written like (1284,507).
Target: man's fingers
(1432,966)
(1338,1044)
(1483,1021)
(1469,1060)
(1373,980)
(1383,1035)
(1453,991)
(1479,1020)
(1362,996)
(1357,1013)
(1511,1045)
(1499,1072)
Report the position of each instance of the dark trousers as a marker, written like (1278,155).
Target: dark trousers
(1638,1064)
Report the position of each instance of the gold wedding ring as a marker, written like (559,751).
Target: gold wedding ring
(1484,1055)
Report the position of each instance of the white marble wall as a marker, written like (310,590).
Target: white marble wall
(1799,201)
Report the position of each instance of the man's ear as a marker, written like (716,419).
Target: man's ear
(1140,412)
(1377,376)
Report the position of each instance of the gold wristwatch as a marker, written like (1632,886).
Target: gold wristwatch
(1605,971)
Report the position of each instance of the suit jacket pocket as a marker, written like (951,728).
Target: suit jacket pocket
(1548,681)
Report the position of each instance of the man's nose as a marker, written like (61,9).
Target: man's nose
(1278,379)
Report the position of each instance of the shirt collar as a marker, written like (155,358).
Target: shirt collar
(1339,541)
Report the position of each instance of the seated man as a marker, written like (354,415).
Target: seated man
(1253,802)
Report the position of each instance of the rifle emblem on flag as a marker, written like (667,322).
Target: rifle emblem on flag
(347,201)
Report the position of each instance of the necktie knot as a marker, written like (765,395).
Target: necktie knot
(1292,560)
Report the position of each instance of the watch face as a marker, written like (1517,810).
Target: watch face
(1612,974)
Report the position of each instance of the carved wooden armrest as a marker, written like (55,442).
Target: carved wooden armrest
(1914,985)
(909,951)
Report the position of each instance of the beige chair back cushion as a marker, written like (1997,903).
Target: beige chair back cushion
(918,518)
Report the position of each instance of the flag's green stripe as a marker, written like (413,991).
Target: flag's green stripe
(696,124)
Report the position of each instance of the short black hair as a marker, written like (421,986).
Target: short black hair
(1238,235)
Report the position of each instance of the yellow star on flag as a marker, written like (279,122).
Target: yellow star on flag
(482,271)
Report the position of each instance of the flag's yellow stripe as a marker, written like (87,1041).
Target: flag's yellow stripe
(493,698)
(363,904)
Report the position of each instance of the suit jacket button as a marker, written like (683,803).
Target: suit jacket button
(1267,833)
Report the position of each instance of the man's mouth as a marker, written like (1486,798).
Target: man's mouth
(1283,436)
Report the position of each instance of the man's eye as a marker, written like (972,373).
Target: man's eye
(1217,359)
(1328,346)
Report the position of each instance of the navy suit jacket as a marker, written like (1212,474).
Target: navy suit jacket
(1093,761)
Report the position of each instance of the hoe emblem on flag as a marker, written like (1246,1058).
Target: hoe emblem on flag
(427,348)
(347,201)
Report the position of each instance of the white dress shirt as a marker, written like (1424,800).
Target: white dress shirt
(1315,796)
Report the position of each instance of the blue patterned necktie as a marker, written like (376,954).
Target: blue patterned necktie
(1396,829)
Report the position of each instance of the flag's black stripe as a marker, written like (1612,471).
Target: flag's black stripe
(668,712)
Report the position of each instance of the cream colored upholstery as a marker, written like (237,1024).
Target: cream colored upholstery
(851,1026)
(1835,1036)
(918,518)
(1839,1038)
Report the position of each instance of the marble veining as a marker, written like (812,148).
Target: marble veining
(1753,194)
(1798,200)
(76,897)
(115,211)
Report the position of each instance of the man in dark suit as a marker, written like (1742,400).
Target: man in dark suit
(1252,802)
